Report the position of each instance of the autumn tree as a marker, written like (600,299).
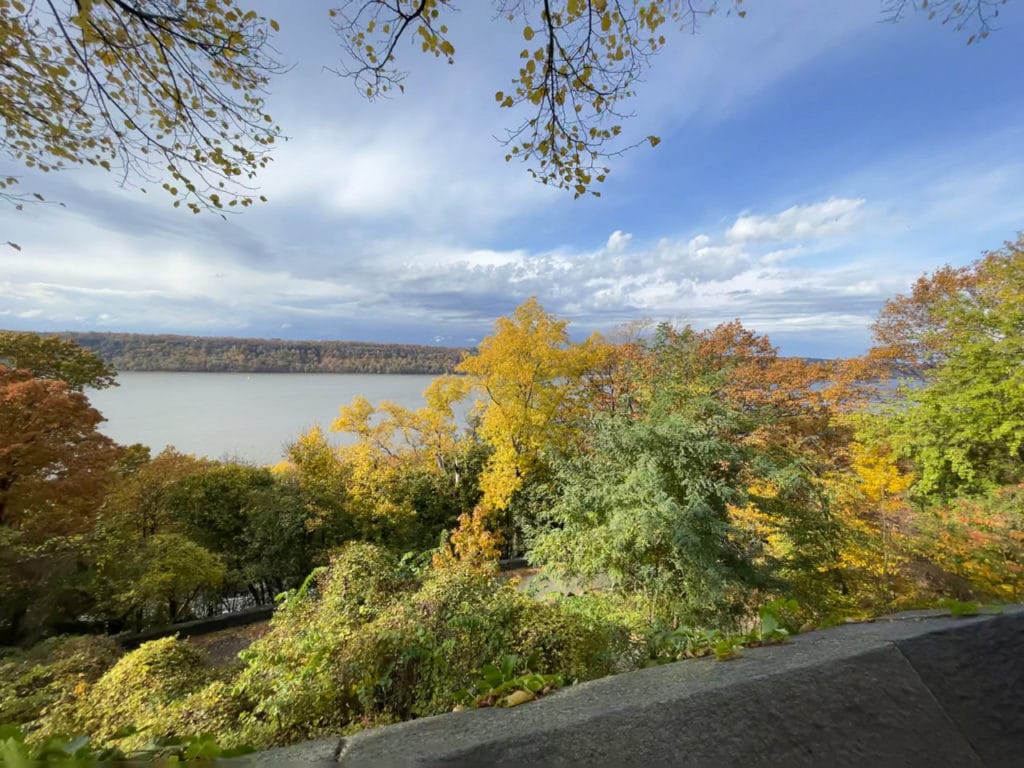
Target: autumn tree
(410,472)
(313,465)
(962,331)
(172,91)
(580,65)
(877,522)
(51,357)
(54,464)
(525,377)
(54,469)
(137,504)
(156,91)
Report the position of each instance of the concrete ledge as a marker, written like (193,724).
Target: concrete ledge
(198,627)
(910,690)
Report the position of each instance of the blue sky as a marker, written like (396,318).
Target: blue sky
(814,161)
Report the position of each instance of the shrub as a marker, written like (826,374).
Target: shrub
(566,637)
(51,675)
(374,648)
(135,694)
(215,709)
(361,643)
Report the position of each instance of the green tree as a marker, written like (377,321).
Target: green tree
(157,581)
(144,570)
(705,484)
(648,507)
(51,357)
(254,524)
(964,331)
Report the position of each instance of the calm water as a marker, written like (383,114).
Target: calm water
(247,416)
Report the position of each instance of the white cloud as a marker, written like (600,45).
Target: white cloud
(835,216)
(704,278)
(618,241)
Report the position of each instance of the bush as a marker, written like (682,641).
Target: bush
(377,648)
(361,643)
(569,637)
(51,675)
(213,709)
(135,694)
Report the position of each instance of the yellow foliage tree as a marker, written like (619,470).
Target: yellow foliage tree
(526,376)
(870,502)
(471,544)
(164,91)
(392,441)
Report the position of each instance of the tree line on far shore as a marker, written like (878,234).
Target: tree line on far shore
(217,354)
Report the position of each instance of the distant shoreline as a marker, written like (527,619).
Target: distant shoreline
(171,353)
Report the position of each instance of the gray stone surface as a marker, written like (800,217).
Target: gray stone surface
(910,690)
(976,673)
(319,752)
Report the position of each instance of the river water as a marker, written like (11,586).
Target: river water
(245,416)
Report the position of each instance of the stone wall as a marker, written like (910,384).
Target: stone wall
(908,690)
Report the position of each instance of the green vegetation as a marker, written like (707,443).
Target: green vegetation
(691,492)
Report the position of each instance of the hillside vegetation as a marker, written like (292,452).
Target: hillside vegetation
(703,492)
(164,352)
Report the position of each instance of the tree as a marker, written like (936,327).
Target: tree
(976,15)
(410,473)
(143,568)
(869,499)
(54,464)
(254,524)
(580,65)
(525,375)
(171,91)
(54,469)
(153,582)
(151,90)
(313,464)
(138,503)
(50,357)
(648,507)
(962,330)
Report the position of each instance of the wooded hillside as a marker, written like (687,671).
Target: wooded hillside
(150,352)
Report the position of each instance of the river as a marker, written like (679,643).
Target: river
(249,417)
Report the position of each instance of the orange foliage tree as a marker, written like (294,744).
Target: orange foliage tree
(54,464)
(54,469)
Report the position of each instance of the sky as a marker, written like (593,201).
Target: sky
(814,161)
